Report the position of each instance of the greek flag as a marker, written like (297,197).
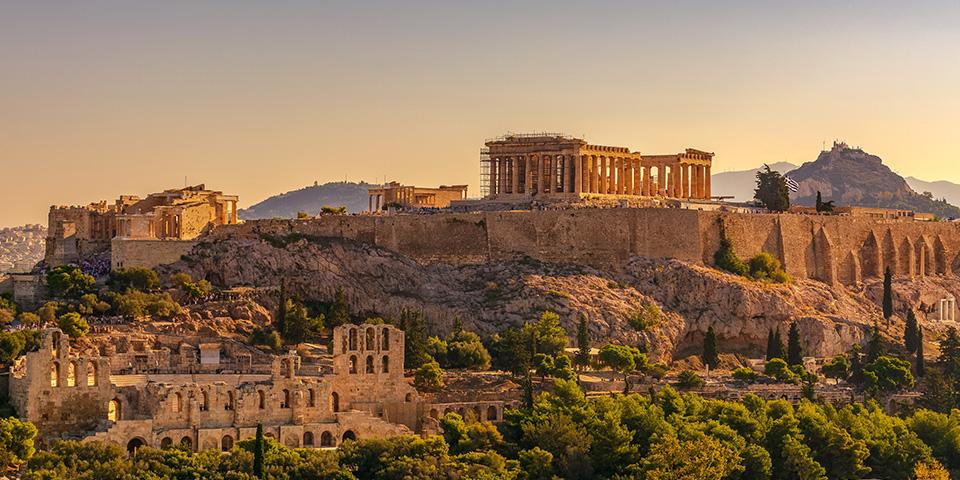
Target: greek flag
(791,184)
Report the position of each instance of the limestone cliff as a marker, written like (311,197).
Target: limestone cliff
(489,297)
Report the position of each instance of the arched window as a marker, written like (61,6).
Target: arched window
(134,444)
(385,367)
(371,338)
(92,374)
(204,401)
(177,404)
(334,402)
(353,364)
(55,374)
(187,441)
(353,339)
(434,413)
(226,443)
(287,367)
(311,398)
(491,413)
(476,413)
(114,410)
(307,439)
(262,398)
(349,435)
(447,410)
(165,443)
(286,399)
(229,404)
(369,364)
(408,398)
(326,440)
(346,340)
(72,374)
(385,337)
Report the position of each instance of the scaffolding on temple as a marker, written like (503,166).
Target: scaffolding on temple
(485,169)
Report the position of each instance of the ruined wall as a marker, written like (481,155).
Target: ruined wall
(833,249)
(147,253)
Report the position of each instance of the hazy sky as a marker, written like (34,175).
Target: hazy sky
(101,98)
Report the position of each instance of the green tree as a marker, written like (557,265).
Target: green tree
(429,375)
(69,281)
(415,340)
(888,373)
(823,207)
(772,191)
(794,350)
(949,359)
(122,278)
(888,294)
(689,379)
(299,325)
(937,392)
(705,458)
(16,441)
(920,366)
(619,358)
(745,374)
(258,450)
(546,335)
(302,214)
(711,353)
(582,358)
(340,310)
(726,259)
(910,332)
(73,325)
(544,365)
(875,347)
(536,464)
(856,366)
(837,369)
(464,349)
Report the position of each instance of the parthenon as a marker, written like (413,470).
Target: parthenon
(524,165)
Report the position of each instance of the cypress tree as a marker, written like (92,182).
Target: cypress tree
(910,332)
(281,320)
(876,344)
(856,366)
(340,310)
(771,345)
(887,294)
(819,202)
(258,452)
(779,350)
(528,391)
(415,340)
(583,343)
(794,351)
(920,366)
(711,354)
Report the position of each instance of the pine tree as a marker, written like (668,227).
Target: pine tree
(856,366)
(583,343)
(875,349)
(910,332)
(711,353)
(258,449)
(340,309)
(771,345)
(779,350)
(887,294)
(528,391)
(794,351)
(415,340)
(920,365)
(281,320)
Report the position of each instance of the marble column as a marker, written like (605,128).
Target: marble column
(541,173)
(684,181)
(594,174)
(629,173)
(492,180)
(528,175)
(602,179)
(706,181)
(515,184)
(553,173)
(645,181)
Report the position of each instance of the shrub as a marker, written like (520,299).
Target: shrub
(689,379)
(745,374)
(73,325)
(726,259)
(428,375)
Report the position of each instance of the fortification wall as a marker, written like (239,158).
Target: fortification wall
(147,253)
(833,249)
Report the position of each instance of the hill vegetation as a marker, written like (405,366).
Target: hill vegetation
(310,200)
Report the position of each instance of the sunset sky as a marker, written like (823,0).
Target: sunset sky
(101,98)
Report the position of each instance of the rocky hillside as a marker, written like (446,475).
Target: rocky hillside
(852,177)
(21,247)
(310,199)
(492,296)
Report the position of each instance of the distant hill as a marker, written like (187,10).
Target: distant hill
(740,184)
(310,199)
(852,177)
(948,191)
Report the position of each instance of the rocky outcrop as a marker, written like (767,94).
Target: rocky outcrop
(492,296)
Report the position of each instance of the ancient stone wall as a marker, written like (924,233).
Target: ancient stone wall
(147,253)
(833,249)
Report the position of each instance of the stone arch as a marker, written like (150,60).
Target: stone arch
(462,412)
(55,374)
(371,343)
(226,443)
(353,339)
(353,364)
(941,257)
(115,410)
(177,402)
(262,397)
(408,398)
(823,257)
(871,259)
(188,442)
(385,337)
(307,439)
(326,439)
(385,364)
(349,435)
(134,444)
(850,269)
(72,374)
(311,398)
(286,365)
(286,399)
(434,413)
(491,413)
(955,265)
(476,412)
(230,401)
(334,402)
(165,443)
(92,374)
(891,254)
(369,364)
(908,258)
(926,263)
(447,410)
(345,342)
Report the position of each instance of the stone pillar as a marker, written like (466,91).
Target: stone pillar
(645,180)
(370,198)
(492,180)
(706,181)
(233,214)
(601,174)
(515,184)
(528,174)
(541,173)
(594,174)
(628,176)
(553,174)
(695,179)
(578,174)
(684,181)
